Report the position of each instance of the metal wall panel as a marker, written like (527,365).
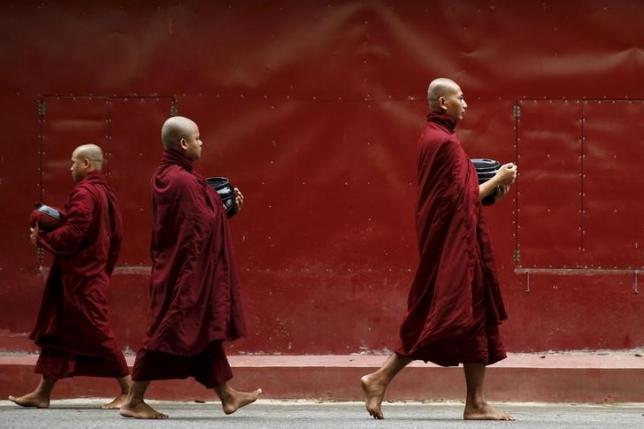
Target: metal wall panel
(20,283)
(134,142)
(613,207)
(68,122)
(549,185)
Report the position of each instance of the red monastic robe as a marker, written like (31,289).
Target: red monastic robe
(455,302)
(194,289)
(73,321)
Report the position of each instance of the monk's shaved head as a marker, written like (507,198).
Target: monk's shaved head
(438,88)
(174,129)
(90,152)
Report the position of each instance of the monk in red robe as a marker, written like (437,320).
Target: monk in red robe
(73,328)
(454,304)
(195,300)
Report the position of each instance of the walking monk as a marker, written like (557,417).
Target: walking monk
(194,289)
(454,304)
(73,327)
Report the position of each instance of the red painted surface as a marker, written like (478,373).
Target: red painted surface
(313,109)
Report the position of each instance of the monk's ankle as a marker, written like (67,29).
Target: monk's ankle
(476,403)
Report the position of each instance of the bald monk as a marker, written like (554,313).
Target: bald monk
(454,304)
(195,302)
(73,328)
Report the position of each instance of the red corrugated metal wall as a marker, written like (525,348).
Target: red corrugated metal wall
(313,109)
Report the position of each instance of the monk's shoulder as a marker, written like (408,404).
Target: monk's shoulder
(84,191)
(83,198)
(181,180)
(435,139)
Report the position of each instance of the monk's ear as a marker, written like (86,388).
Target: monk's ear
(183,144)
(441,103)
(86,163)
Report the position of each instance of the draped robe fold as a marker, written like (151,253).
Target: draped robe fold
(195,299)
(455,304)
(73,326)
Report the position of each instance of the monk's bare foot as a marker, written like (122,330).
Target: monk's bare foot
(484,411)
(233,400)
(32,399)
(141,411)
(117,403)
(375,393)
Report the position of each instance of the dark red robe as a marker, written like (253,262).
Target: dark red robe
(455,303)
(73,324)
(195,300)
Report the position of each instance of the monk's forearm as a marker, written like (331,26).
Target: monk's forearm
(61,241)
(487,188)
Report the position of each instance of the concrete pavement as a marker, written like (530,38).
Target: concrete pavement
(77,414)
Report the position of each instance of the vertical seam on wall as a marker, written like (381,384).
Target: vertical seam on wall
(516,257)
(41,134)
(582,210)
(108,137)
(174,106)
(40,253)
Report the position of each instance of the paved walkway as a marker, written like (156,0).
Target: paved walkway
(273,414)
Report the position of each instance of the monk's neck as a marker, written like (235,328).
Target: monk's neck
(443,120)
(171,156)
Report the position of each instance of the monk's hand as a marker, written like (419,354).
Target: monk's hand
(33,232)
(500,193)
(506,175)
(239,199)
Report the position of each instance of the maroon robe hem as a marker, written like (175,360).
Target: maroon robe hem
(210,367)
(56,364)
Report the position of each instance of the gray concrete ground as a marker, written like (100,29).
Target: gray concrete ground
(274,414)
